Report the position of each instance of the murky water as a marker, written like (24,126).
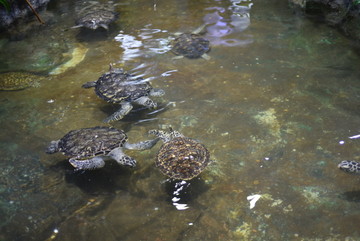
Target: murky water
(275,105)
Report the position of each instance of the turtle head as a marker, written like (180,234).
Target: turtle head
(350,166)
(166,136)
(53,147)
(175,134)
(160,134)
(92,24)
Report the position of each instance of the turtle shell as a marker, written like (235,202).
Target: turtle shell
(182,158)
(89,142)
(18,80)
(99,17)
(96,14)
(116,86)
(190,45)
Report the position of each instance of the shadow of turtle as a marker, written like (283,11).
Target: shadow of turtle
(107,180)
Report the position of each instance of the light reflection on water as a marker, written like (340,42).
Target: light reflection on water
(274,114)
(144,45)
(222,27)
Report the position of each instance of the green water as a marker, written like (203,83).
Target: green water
(273,105)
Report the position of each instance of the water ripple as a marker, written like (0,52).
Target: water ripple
(221,27)
(145,44)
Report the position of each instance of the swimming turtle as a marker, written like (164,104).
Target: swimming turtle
(352,167)
(18,80)
(88,148)
(118,86)
(180,157)
(96,15)
(191,45)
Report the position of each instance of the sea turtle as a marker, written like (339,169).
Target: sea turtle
(118,86)
(18,80)
(180,157)
(352,167)
(191,45)
(96,15)
(88,148)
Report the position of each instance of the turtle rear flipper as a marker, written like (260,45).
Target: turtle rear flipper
(88,164)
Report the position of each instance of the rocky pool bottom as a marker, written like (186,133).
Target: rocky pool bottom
(275,111)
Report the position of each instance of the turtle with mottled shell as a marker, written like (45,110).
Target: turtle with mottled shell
(96,15)
(191,45)
(120,87)
(88,148)
(19,80)
(352,167)
(180,157)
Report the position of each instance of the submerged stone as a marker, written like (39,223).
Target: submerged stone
(19,80)
(77,55)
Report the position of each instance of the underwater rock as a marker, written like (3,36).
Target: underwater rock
(19,80)
(38,53)
(18,9)
(344,14)
(76,56)
(30,194)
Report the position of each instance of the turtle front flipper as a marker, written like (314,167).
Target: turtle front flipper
(88,164)
(78,26)
(201,29)
(146,101)
(53,147)
(89,84)
(118,155)
(126,107)
(142,145)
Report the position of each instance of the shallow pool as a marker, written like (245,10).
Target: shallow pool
(276,105)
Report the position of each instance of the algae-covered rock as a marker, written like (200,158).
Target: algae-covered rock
(18,9)
(343,14)
(19,80)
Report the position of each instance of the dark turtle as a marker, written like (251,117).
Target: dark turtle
(191,45)
(18,80)
(88,148)
(96,15)
(117,86)
(180,157)
(352,167)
